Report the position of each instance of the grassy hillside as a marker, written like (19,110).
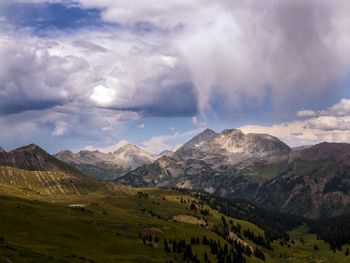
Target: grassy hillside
(114,223)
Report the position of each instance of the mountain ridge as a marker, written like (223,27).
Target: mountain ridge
(33,157)
(107,166)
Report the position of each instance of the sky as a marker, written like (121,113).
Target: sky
(96,74)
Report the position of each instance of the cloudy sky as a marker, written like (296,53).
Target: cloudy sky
(90,74)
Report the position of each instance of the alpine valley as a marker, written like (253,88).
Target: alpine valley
(220,197)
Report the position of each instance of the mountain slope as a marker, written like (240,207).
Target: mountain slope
(195,143)
(163,225)
(2,150)
(154,226)
(315,183)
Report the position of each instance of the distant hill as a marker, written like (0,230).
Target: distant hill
(32,157)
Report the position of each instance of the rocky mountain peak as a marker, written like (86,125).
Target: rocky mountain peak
(32,157)
(30,148)
(131,148)
(207,131)
(250,145)
(67,157)
(197,141)
(205,135)
(65,152)
(2,150)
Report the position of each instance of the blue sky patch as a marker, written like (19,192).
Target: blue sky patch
(51,16)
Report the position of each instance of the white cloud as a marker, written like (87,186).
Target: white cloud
(296,134)
(325,125)
(157,144)
(141,126)
(306,113)
(60,128)
(329,123)
(198,122)
(340,109)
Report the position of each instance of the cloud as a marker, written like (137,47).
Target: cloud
(32,79)
(130,76)
(192,53)
(326,125)
(141,126)
(306,113)
(198,122)
(246,50)
(329,123)
(340,109)
(297,133)
(60,128)
(89,46)
(332,118)
(179,58)
(103,95)
(157,144)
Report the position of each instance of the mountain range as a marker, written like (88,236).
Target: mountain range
(310,181)
(107,166)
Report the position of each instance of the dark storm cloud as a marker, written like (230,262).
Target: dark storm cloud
(238,51)
(13,107)
(33,79)
(173,101)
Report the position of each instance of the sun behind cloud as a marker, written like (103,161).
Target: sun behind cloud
(103,95)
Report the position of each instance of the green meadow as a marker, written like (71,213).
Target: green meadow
(109,224)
